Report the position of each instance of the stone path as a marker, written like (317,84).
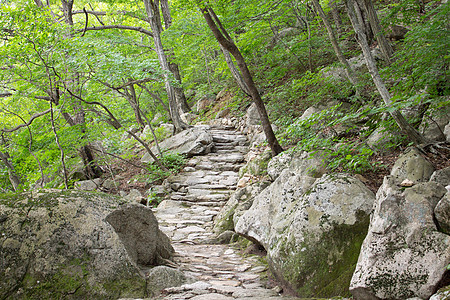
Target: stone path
(186,216)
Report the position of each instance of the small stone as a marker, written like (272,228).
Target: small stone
(277,289)
(229,251)
(214,296)
(407,183)
(259,269)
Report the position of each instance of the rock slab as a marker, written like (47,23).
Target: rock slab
(312,230)
(403,255)
(57,245)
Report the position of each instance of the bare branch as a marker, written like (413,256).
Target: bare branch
(33,117)
(87,20)
(124,27)
(118,157)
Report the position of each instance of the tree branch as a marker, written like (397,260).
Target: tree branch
(124,27)
(33,117)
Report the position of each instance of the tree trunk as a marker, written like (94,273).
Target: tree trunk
(412,134)
(374,22)
(234,71)
(225,40)
(183,106)
(132,99)
(337,49)
(152,10)
(13,177)
(336,16)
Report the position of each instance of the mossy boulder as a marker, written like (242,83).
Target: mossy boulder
(302,163)
(58,245)
(240,201)
(404,255)
(257,166)
(312,230)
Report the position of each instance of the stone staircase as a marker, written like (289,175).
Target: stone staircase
(186,216)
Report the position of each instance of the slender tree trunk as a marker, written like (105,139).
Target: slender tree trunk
(92,170)
(183,106)
(62,155)
(336,17)
(355,15)
(152,10)
(207,67)
(225,40)
(337,49)
(374,22)
(234,71)
(132,99)
(13,177)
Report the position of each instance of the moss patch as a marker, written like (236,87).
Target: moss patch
(71,282)
(322,266)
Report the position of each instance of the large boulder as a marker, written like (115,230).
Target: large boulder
(412,166)
(302,163)
(256,166)
(138,229)
(193,141)
(58,245)
(239,202)
(434,128)
(252,116)
(404,255)
(312,230)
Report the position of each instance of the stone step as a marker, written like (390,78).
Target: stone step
(229,138)
(229,158)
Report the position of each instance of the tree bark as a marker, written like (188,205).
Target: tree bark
(234,71)
(183,106)
(336,16)
(374,22)
(132,99)
(225,40)
(355,14)
(13,177)
(337,49)
(152,10)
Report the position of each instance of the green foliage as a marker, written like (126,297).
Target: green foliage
(294,97)
(315,134)
(423,63)
(172,161)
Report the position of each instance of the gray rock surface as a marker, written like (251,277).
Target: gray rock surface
(442,213)
(403,254)
(302,163)
(138,229)
(57,245)
(190,142)
(441,176)
(434,129)
(163,277)
(257,166)
(88,185)
(294,213)
(413,166)
(239,202)
(134,196)
(380,139)
(252,116)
